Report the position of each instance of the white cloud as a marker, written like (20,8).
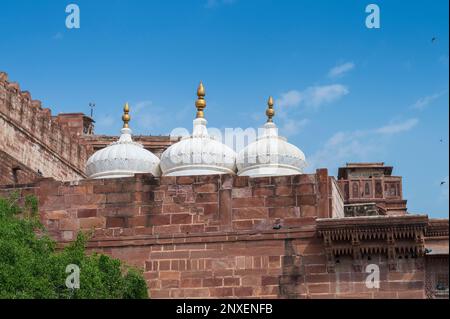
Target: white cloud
(423,102)
(343,147)
(258,116)
(149,118)
(290,98)
(146,115)
(139,106)
(148,121)
(318,95)
(292,127)
(358,145)
(107,121)
(314,96)
(397,127)
(341,70)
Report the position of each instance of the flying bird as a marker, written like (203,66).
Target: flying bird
(442,183)
(433,39)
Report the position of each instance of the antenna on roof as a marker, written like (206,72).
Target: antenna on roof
(92,105)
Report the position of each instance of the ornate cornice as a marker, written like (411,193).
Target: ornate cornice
(388,235)
(437,228)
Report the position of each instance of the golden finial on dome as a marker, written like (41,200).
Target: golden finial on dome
(200,104)
(270,112)
(126,116)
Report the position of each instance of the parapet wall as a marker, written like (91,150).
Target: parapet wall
(30,135)
(145,205)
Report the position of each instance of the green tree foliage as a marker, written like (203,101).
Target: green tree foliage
(31,267)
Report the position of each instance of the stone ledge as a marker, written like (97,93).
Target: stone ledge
(146,240)
(371,221)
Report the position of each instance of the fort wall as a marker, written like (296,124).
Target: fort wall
(30,135)
(236,237)
(13,172)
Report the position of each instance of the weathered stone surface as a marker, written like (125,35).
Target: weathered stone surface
(30,134)
(220,236)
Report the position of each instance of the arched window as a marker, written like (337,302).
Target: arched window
(355,190)
(378,189)
(392,190)
(367,189)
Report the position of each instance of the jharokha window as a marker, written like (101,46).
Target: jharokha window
(346,191)
(355,190)
(436,277)
(378,190)
(367,189)
(392,190)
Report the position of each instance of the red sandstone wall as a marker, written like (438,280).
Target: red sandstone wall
(13,172)
(213,236)
(144,205)
(336,200)
(77,124)
(32,137)
(272,266)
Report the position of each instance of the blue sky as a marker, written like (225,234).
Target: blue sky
(343,92)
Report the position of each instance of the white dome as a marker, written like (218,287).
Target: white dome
(270,155)
(123,158)
(198,154)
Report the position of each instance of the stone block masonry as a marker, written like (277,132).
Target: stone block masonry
(145,205)
(223,236)
(14,172)
(31,136)
(235,237)
(55,146)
